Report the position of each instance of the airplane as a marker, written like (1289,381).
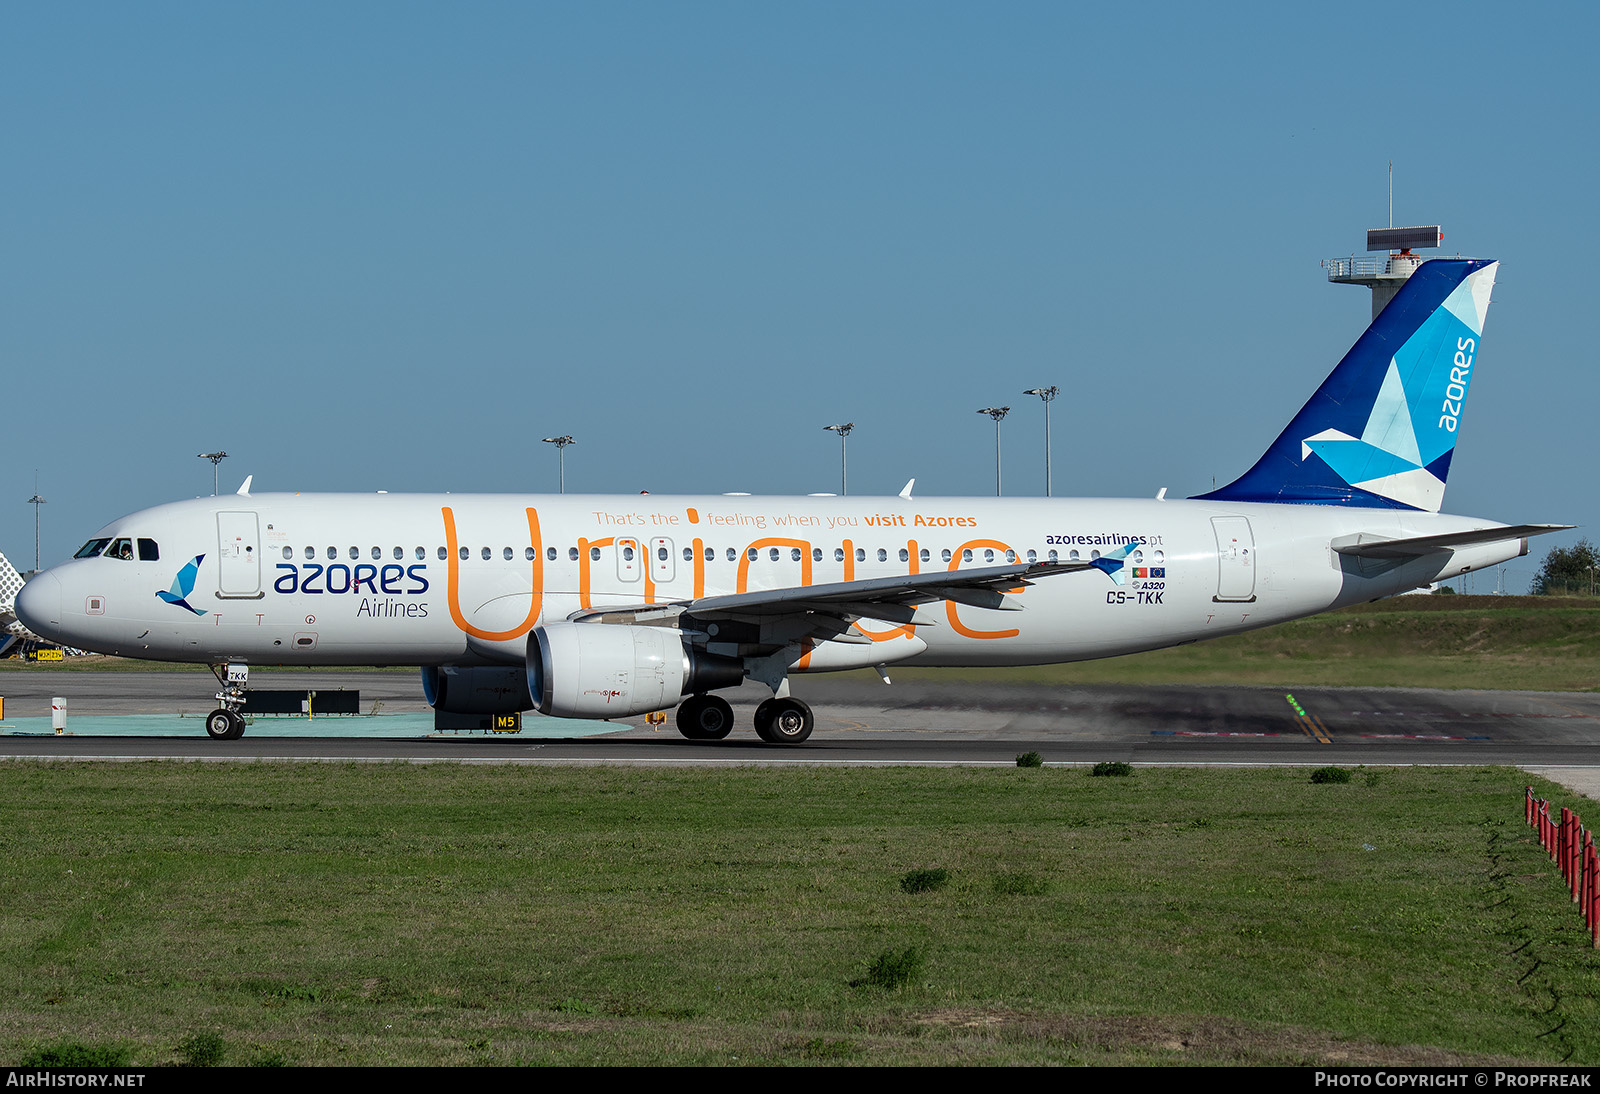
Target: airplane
(595,606)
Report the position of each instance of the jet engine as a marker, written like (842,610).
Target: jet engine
(611,670)
(476,689)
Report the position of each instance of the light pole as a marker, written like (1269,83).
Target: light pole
(844,463)
(561,443)
(36,501)
(997,413)
(215,458)
(1048,394)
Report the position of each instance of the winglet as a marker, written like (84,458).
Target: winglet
(906,493)
(244,489)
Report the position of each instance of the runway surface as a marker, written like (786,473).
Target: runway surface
(862,721)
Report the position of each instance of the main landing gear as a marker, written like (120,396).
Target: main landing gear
(785,721)
(226,723)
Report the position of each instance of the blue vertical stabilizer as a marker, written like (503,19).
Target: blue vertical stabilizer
(1380,430)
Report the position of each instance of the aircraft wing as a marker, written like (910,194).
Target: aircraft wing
(893,599)
(1368,545)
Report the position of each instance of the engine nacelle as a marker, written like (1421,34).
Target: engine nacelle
(476,689)
(611,670)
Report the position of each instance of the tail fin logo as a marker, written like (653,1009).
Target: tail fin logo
(1382,427)
(183,586)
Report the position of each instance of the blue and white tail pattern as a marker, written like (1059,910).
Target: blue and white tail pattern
(1380,431)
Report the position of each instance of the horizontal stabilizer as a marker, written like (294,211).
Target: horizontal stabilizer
(1368,545)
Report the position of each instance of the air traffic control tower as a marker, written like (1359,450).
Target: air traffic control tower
(1384,274)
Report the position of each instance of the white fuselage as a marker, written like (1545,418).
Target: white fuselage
(346,579)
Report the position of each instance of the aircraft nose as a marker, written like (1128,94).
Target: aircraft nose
(39,605)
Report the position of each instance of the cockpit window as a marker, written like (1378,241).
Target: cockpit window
(121,548)
(92,549)
(148,551)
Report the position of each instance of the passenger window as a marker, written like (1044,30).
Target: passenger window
(594,554)
(944,555)
(905,555)
(661,553)
(711,554)
(442,555)
(861,554)
(422,554)
(506,553)
(988,554)
(1011,556)
(688,554)
(816,554)
(772,553)
(1072,555)
(794,554)
(732,554)
(1093,555)
(333,552)
(288,552)
(484,553)
(399,553)
(966,556)
(377,553)
(465,553)
(572,554)
(753,554)
(92,549)
(311,552)
(924,555)
(627,552)
(1033,556)
(549,553)
(355,553)
(1159,558)
(838,554)
(1138,558)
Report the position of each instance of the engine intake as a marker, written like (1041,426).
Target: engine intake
(476,689)
(611,670)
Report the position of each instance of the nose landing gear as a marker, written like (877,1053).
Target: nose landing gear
(226,723)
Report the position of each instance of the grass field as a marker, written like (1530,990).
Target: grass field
(1519,643)
(319,914)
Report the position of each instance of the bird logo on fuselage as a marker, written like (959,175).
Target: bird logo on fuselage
(183,585)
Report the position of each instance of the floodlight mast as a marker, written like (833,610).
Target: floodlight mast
(1048,394)
(216,458)
(997,413)
(844,462)
(561,443)
(36,501)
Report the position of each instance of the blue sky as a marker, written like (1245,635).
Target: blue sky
(390,246)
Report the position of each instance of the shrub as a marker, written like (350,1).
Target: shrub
(76,1054)
(1330,775)
(1030,759)
(202,1050)
(894,969)
(1115,768)
(924,881)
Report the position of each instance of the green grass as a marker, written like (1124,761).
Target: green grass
(1518,643)
(439,914)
